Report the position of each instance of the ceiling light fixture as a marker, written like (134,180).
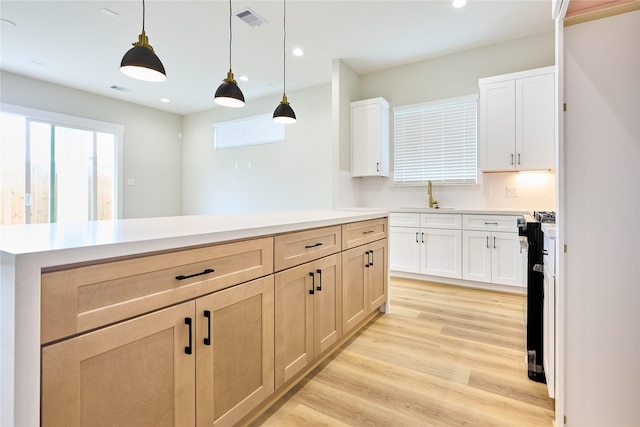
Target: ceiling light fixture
(459,3)
(140,62)
(284,113)
(228,93)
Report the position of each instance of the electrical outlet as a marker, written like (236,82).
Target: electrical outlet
(488,191)
(512,192)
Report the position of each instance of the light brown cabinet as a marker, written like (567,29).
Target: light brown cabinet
(202,362)
(307,314)
(364,283)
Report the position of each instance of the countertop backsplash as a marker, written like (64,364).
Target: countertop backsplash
(525,191)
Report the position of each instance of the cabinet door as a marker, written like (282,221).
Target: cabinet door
(294,321)
(497,126)
(235,371)
(404,249)
(476,258)
(506,260)
(535,122)
(133,373)
(377,274)
(441,252)
(370,138)
(354,276)
(327,307)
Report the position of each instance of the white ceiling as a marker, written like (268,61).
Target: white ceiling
(74,43)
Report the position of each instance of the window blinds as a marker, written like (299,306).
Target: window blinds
(436,141)
(253,130)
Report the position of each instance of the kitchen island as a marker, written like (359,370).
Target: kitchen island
(74,295)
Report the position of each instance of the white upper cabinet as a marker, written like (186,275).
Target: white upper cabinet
(370,132)
(517,124)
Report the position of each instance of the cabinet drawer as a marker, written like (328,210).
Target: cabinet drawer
(304,246)
(401,219)
(83,298)
(448,221)
(362,232)
(507,223)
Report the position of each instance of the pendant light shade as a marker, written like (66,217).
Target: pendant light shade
(141,62)
(283,112)
(228,93)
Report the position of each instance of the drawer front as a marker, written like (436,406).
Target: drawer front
(83,298)
(293,249)
(363,232)
(401,219)
(507,223)
(448,221)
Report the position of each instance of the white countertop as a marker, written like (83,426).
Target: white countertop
(459,211)
(166,232)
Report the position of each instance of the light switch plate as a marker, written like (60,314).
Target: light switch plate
(512,192)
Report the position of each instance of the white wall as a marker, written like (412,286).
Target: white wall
(602,200)
(296,174)
(152,149)
(451,76)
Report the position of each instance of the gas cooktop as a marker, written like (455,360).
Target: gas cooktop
(545,216)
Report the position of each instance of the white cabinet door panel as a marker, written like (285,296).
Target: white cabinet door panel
(506,260)
(441,253)
(497,126)
(404,249)
(476,259)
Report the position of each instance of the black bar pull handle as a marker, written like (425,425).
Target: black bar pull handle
(422,237)
(371,262)
(207,271)
(189,349)
(313,281)
(487,242)
(319,287)
(367,254)
(417,237)
(368,232)
(494,242)
(313,246)
(207,340)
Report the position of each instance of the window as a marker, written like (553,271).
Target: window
(57,168)
(247,131)
(436,141)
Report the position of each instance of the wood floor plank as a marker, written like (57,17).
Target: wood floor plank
(444,356)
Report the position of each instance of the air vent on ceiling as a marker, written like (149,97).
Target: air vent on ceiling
(120,88)
(250,17)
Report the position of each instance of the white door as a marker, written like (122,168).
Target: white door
(441,252)
(476,258)
(404,249)
(506,261)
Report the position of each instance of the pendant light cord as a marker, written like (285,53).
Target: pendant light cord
(143,16)
(284,49)
(230,34)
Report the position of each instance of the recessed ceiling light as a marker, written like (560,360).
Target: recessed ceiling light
(164,100)
(6,21)
(243,78)
(298,52)
(459,3)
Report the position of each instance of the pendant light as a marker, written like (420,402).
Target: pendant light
(284,113)
(228,93)
(140,62)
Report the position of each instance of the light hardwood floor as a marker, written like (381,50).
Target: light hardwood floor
(445,356)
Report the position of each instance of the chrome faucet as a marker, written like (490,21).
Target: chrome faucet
(432,202)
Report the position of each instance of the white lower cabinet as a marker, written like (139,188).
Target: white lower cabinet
(432,250)
(480,248)
(492,257)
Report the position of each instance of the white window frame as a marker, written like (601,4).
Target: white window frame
(59,119)
(247,131)
(403,175)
